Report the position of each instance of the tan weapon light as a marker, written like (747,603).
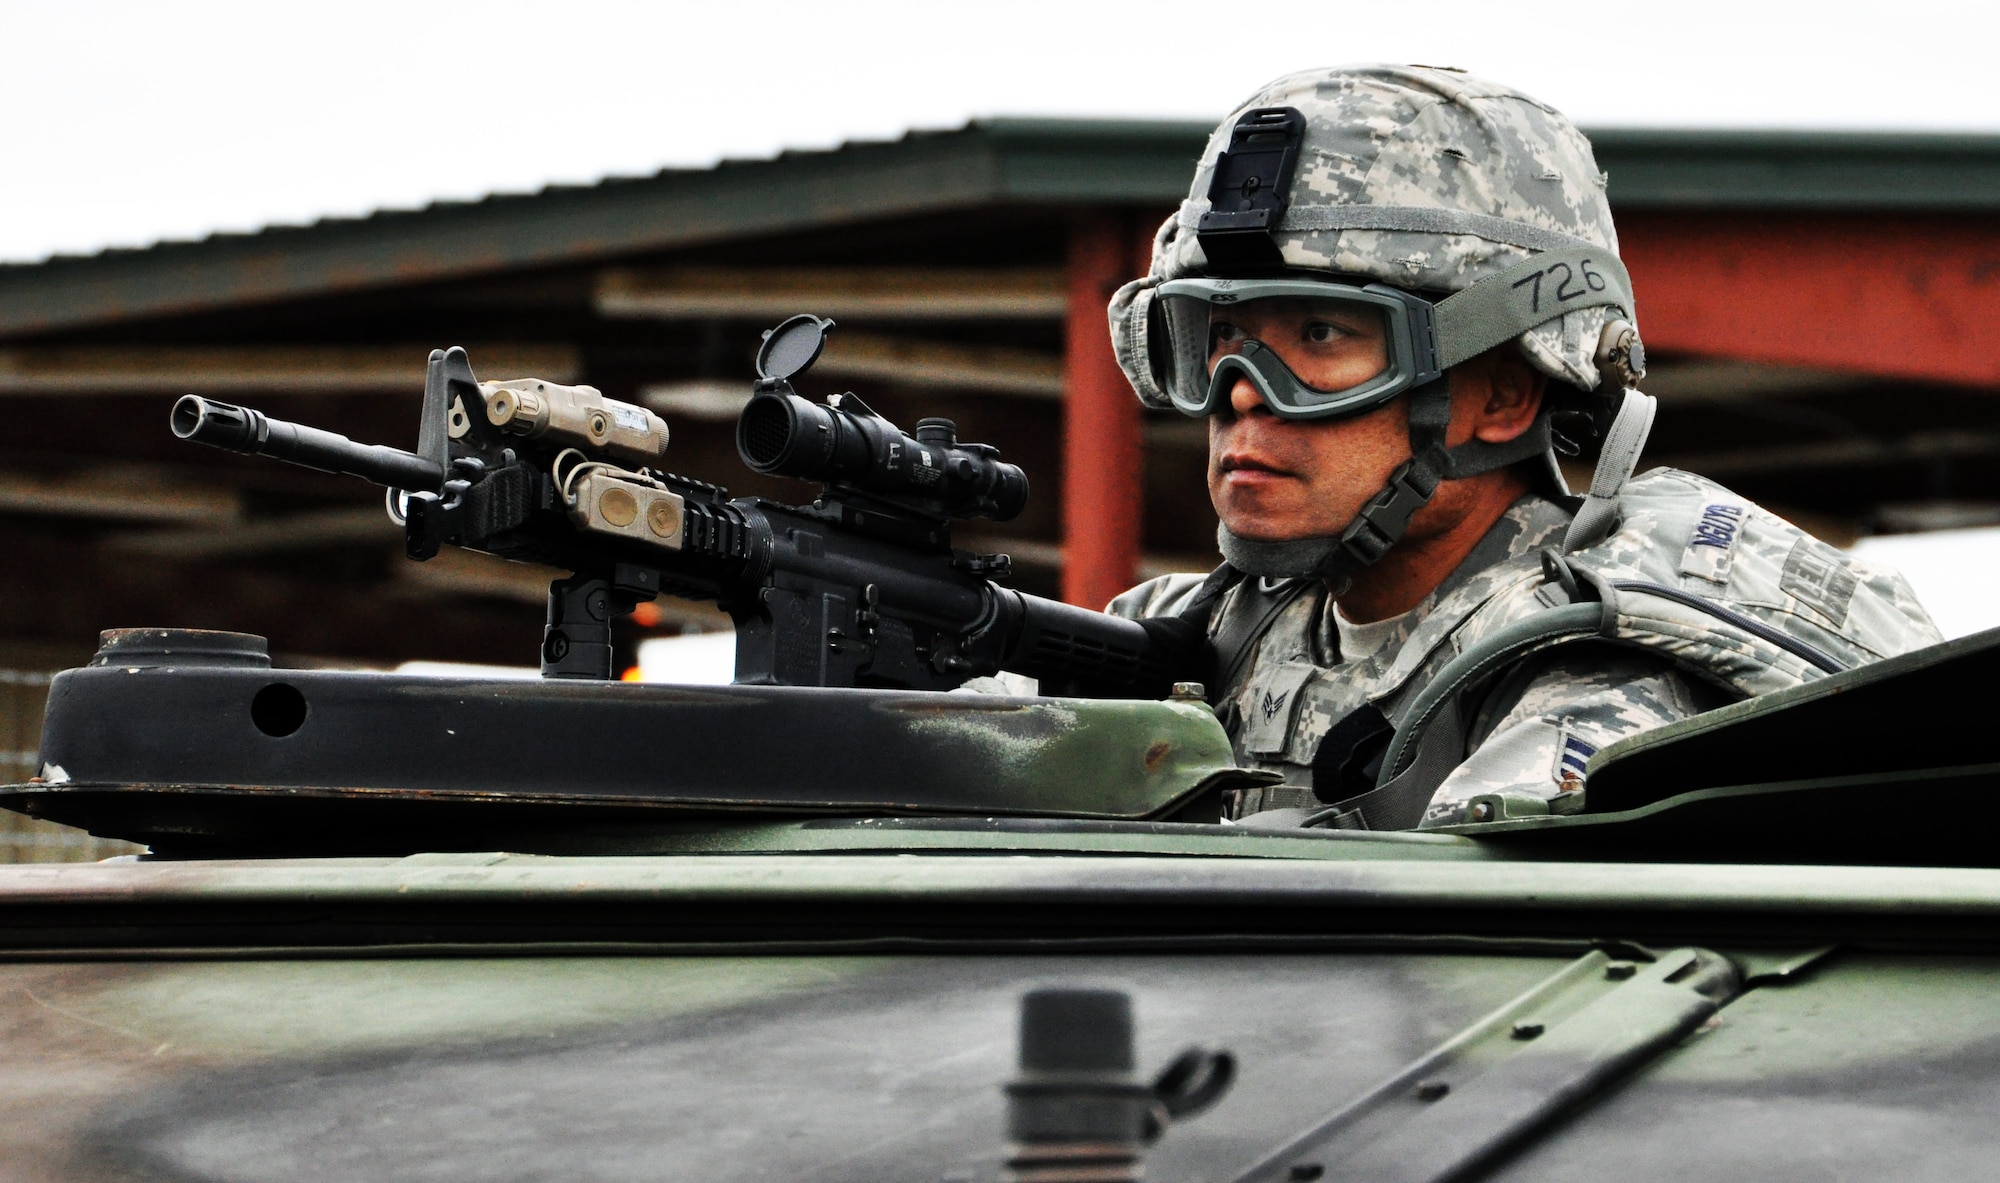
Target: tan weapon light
(577,416)
(606,503)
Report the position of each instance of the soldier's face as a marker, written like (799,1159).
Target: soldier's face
(1277,480)
(1273,479)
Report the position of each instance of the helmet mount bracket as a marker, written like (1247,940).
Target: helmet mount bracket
(1250,189)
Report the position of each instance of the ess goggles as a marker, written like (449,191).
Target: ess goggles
(1315,349)
(1312,349)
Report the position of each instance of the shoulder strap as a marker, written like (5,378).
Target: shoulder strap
(1430,738)
(1616,461)
(1234,639)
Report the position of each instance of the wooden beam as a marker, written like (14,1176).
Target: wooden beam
(964,369)
(457,573)
(118,496)
(861,293)
(451,573)
(1719,381)
(1894,296)
(709,400)
(1860,451)
(1921,517)
(454,572)
(328,529)
(813,192)
(210,369)
(62,589)
(987,369)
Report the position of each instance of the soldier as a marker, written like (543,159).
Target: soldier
(1395,294)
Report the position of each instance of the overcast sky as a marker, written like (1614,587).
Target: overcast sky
(126,123)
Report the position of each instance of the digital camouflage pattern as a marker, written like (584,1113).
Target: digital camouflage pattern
(1408,137)
(1414,138)
(1535,729)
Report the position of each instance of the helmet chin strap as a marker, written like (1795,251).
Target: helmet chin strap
(1300,558)
(1385,517)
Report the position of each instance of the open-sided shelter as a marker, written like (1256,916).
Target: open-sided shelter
(1819,308)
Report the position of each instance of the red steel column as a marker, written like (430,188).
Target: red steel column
(1102,465)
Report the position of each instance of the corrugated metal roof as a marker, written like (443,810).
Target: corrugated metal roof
(985,163)
(1799,170)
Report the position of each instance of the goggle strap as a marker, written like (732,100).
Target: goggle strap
(1532,292)
(1430,416)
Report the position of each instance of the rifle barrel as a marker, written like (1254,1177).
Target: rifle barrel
(253,433)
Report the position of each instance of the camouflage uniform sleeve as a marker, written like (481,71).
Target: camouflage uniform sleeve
(1163,596)
(1539,727)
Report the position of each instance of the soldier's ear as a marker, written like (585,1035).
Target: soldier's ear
(1506,392)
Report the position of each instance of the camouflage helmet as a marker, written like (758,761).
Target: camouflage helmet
(1422,178)
(1483,201)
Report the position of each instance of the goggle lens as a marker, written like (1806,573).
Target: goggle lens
(1330,346)
(1310,349)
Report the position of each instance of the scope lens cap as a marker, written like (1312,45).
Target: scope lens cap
(792,347)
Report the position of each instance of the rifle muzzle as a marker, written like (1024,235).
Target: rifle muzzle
(253,433)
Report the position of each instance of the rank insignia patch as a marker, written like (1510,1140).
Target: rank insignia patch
(1572,757)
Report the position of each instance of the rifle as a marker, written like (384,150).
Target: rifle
(860,588)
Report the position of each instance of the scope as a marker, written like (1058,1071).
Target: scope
(782,434)
(253,433)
